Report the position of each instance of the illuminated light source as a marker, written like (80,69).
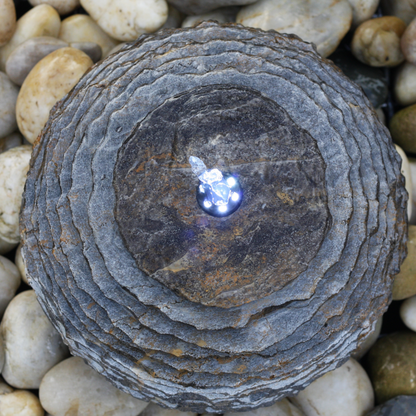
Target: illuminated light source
(214,193)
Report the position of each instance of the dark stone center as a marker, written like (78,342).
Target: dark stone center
(250,254)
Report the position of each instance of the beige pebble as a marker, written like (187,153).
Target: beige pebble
(281,408)
(155,410)
(323,22)
(362,10)
(32,345)
(408,42)
(9,282)
(405,84)
(20,263)
(403,9)
(73,384)
(404,284)
(376,42)
(219,15)
(12,140)
(14,165)
(20,403)
(1,360)
(49,81)
(62,6)
(346,391)
(8,95)
(403,128)
(7,20)
(81,28)
(408,312)
(42,20)
(22,60)
(408,178)
(369,340)
(126,20)
(93,50)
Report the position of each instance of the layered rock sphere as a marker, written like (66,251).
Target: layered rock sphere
(203,313)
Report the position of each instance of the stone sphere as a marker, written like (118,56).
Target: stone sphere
(193,311)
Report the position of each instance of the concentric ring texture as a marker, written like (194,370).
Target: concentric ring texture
(144,337)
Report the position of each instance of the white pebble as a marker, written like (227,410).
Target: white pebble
(7,20)
(81,28)
(1,357)
(31,343)
(8,94)
(9,282)
(126,20)
(154,410)
(281,408)
(20,263)
(323,22)
(42,20)
(362,10)
(20,403)
(408,312)
(73,384)
(405,84)
(14,165)
(346,391)
(62,6)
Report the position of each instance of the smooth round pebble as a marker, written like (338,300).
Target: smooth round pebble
(399,406)
(368,341)
(346,391)
(362,10)
(408,312)
(8,94)
(62,6)
(323,22)
(20,403)
(155,410)
(12,140)
(403,128)
(220,16)
(408,42)
(281,408)
(22,60)
(405,84)
(93,50)
(81,28)
(391,365)
(404,9)
(32,344)
(20,263)
(4,388)
(14,165)
(72,384)
(376,42)
(404,284)
(174,19)
(49,81)
(1,357)
(9,282)
(408,178)
(7,20)
(126,20)
(42,20)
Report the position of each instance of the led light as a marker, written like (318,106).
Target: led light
(222,208)
(235,197)
(207,204)
(231,182)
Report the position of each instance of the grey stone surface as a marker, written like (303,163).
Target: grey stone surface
(139,332)
(203,6)
(399,406)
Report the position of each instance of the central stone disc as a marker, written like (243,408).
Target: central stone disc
(261,247)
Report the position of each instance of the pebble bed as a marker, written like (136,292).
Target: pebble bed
(45,48)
